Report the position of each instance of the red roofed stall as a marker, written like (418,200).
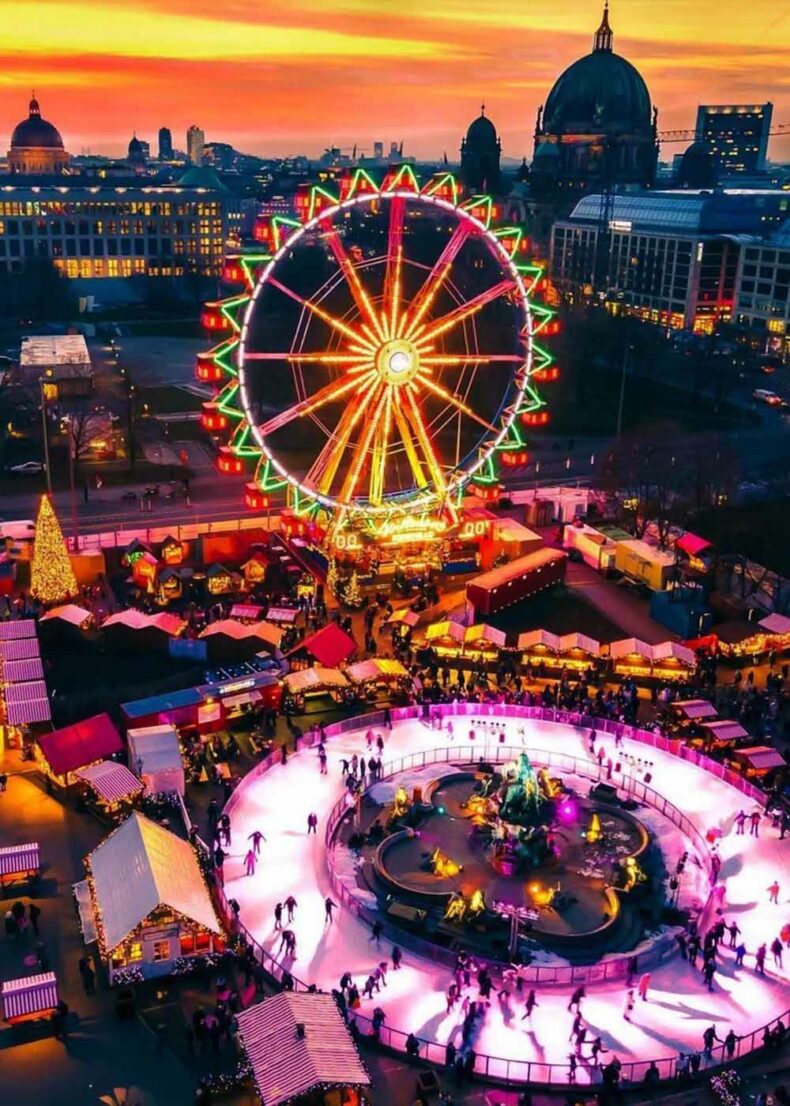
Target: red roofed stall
(62,752)
(330,646)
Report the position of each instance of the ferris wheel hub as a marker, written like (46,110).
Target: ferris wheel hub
(397,361)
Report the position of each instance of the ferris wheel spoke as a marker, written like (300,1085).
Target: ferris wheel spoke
(363,445)
(429,331)
(323,396)
(408,442)
(379,461)
(319,312)
(361,298)
(391,305)
(445,359)
(324,468)
(438,390)
(312,358)
(421,432)
(435,279)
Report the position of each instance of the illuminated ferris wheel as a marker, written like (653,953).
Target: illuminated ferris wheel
(384,354)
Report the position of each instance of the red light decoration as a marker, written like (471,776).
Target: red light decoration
(228,463)
(212,419)
(550,373)
(263,231)
(207,370)
(551,328)
(254,498)
(516,459)
(212,317)
(232,272)
(535,418)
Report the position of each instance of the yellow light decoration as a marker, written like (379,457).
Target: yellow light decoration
(477,903)
(400,804)
(52,578)
(594,831)
(442,866)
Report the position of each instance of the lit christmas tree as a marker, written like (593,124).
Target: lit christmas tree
(52,578)
(352,595)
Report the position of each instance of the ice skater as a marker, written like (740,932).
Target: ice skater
(256,837)
(740,823)
(643,986)
(329,906)
(754,818)
(576,999)
(629,1004)
(249,862)
(278,915)
(773,892)
(291,905)
(529,1005)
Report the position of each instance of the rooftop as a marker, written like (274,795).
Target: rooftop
(54,349)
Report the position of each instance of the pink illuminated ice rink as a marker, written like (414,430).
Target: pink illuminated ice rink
(679,1006)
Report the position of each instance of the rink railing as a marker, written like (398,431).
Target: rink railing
(465,753)
(494,1068)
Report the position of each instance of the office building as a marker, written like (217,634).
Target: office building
(762,302)
(672,258)
(736,134)
(196,140)
(108,238)
(165,144)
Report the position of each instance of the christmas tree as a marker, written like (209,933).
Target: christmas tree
(51,576)
(352,595)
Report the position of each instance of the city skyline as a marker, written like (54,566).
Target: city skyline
(260,80)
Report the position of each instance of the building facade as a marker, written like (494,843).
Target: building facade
(196,140)
(672,258)
(480,154)
(165,144)
(36,146)
(736,134)
(597,128)
(762,302)
(111,233)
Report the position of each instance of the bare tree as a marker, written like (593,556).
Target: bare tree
(642,473)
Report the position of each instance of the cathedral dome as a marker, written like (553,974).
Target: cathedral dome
(601,92)
(482,131)
(35,132)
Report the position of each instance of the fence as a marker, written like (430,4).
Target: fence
(496,1068)
(614,968)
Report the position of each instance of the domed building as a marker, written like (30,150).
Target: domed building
(36,145)
(480,153)
(598,119)
(697,167)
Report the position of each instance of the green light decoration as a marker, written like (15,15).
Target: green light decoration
(360,184)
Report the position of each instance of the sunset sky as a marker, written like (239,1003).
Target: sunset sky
(295,76)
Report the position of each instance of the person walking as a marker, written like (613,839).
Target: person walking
(708,1037)
(329,906)
(322,761)
(773,892)
(278,915)
(730,1041)
(89,979)
(708,972)
(375,932)
(754,818)
(740,952)
(759,959)
(734,930)
(643,986)
(397,956)
(249,862)
(291,905)
(256,837)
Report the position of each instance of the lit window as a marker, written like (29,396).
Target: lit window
(135,951)
(161,951)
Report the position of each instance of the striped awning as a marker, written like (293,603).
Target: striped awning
(21,693)
(762,758)
(19,649)
(286,1065)
(15,859)
(111,782)
(27,712)
(695,708)
(34,994)
(15,672)
(18,628)
(725,730)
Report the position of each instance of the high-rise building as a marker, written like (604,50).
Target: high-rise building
(378,150)
(737,135)
(196,140)
(165,144)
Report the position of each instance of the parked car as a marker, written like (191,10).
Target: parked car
(27,467)
(763,395)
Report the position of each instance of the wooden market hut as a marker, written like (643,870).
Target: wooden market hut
(66,623)
(758,761)
(112,787)
(483,642)
(29,998)
(20,862)
(672,661)
(229,641)
(171,551)
(254,568)
(220,580)
(155,758)
(578,651)
(300,1052)
(61,753)
(446,638)
(149,901)
(330,647)
(133,631)
(632,657)
(540,648)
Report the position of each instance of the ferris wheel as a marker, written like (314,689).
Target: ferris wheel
(384,354)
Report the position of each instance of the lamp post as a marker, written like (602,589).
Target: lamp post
(626,354)
(45,435)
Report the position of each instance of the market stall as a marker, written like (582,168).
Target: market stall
(67,618)
(133,631)
(61,753)
(230,641)
(539,649)
(378,674)
(644,563)
(446,638)
(758,761)
(330,647)
(722,733)
(308,685)
(483,642)
(246,612)
(672,661)
(284,616)
(693,710)
(155,758)
(19,862)
(300,1052)
(577,652)
(113,787)
(20,664)
(150,903)
(29,998)
(632,657)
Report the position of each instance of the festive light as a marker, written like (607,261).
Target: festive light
(352,596)
(52,578)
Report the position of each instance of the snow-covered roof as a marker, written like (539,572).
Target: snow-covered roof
(309,678)
(70,613)
(140,867)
